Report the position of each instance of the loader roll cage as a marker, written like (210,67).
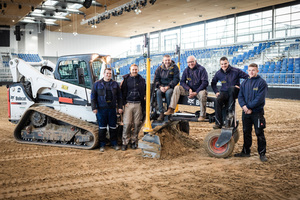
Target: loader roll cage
(93,66)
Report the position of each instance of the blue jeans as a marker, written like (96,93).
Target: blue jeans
(168,95)
(107,116)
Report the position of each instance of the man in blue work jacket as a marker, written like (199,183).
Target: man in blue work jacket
(166,78)
(105,97)
(252,100)
(193,83)
(230,79)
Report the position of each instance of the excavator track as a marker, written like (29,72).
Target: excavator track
(82,134)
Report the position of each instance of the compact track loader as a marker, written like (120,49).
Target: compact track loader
(51,104)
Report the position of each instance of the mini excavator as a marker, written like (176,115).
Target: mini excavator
(218,143)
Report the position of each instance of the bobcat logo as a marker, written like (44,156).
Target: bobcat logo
(191,101)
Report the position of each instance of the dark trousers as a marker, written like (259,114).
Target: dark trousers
(107,116)
(228,99)
(258,120)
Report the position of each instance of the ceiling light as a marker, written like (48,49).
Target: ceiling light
(159,20)
(50,3)
(13,20)
(137,11)
(233,8)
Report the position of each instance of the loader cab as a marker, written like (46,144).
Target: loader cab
(92,68)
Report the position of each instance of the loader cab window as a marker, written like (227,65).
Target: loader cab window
(67,70)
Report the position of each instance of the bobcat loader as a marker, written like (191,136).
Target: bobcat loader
(51,103)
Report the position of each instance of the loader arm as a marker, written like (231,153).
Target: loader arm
(38,80)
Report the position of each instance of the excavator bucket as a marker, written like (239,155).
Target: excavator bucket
(150,145)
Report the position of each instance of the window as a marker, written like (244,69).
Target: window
(68,71)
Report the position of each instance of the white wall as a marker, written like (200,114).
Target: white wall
(81,44)
(31,38)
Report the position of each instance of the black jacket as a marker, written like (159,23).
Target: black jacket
(141,89)
(167,77)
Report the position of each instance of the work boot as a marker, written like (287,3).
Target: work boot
(102,149)
(161,117)
(216,126)
(116,147)
(124,147)
(263,158)
(201,119)
(133,145)
(170,111)
(242,154)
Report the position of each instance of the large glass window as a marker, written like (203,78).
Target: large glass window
(287,21)
(68,71)
(192,36)
(170,39)
(254,27)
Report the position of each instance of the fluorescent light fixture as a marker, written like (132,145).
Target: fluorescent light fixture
(38,11)
(75,6)
(50,20)
(60,14)
(37,14)
(50,3)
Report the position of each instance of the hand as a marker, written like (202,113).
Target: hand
(217,94)
(192,95)
(249,111)
(95,111)
(162,89)
(237,86)
(120,111)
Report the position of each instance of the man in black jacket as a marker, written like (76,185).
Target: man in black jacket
(133,90)
(230,79)
(252,100)
(166,78)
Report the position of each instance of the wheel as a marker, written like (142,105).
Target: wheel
(184,126)
(236,136)
(221,152)
(38,119)
(92,137)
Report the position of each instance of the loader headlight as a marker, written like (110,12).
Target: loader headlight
(108,59)
(95,56)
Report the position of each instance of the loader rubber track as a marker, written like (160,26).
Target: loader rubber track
(49,112)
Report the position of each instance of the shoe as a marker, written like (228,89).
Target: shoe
(263,158)
(170,111)
(216,126)
(161,117)
(242,154)
(201,119)
(133,145)
(116,147)
(102,149)
(124,147)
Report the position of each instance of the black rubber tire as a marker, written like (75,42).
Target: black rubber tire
(209,145)
(236,136)
(184,126)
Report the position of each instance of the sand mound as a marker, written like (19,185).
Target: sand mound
(175,143)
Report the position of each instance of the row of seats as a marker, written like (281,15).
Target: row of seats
(251,53)
(28,57)
(285,71)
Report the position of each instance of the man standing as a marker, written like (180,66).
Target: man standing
(105,97)
(194,82)
(166,78)
(133,90)
(252,100)
(230,78)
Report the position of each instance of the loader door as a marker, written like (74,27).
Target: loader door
(67,70)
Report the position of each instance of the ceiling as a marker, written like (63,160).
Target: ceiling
(162,14)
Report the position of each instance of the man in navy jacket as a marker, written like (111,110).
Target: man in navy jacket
(230,78)
(166,78)
(252,100)
(105,97)
(194,82)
